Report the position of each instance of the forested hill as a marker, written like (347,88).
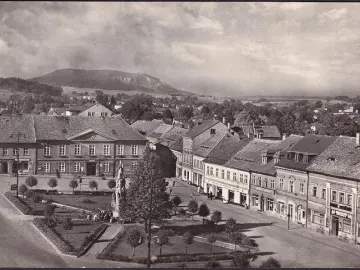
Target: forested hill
(21,85)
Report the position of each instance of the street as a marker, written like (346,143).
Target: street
(298,247)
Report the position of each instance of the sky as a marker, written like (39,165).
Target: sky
(228,48)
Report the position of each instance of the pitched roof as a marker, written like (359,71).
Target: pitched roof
(61,127)
(197,130)
(269,131)
(146,127)
(173,136)
(249,157)
(160,130)
(206,147)
(225,149)
(17,124)
(310,144)
(341,159)
(177,145)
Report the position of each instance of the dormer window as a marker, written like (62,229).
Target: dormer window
(296,157)
(212,131)
(306,159)
(264,160)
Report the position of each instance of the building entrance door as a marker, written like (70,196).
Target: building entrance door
(91,168)
(4,167)
(335,226)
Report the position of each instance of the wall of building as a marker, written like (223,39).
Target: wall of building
(8,162)
(198,171)
(219,128)
(98,109)
(262,193)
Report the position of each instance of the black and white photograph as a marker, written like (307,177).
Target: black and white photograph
(179,134)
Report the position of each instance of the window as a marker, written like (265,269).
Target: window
(266,183)
(270,205)
(306,159)
(234,176)
(347,225)
(241,178)
(5,152)
(77,167)
(91,113)
(281,208)
(47,167)
(133,165)
(211,171)
(212,131)
(217,172)
(253,180)
(318,218)
(281,183)
(264,160)
(228,175)
(314,191)
(272,184)
(134,150)
(245,179)
(341,197)
(47,151)
(259,181)
(120,149)
(26,152)
(302,188)
(77,149)
(323,193)
(291,186)
(333,196)
(91,150)
(255,200)
(104,114)
(15,151)
(208,170)
(276,160)
(62,166)
(62,150)
(106,166)
(106,150)
(222,174)
(349,199)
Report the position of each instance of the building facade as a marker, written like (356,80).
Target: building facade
(96,110)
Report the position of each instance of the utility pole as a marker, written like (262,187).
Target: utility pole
(17,135)
(149,220)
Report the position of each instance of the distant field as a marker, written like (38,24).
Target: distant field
(68,90)
(5,94)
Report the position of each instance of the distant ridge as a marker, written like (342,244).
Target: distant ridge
(108,80)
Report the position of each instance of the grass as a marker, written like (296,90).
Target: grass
(97,201)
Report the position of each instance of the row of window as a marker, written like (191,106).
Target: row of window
(263,183)
(221,174)
(26,151)
(77,150)
(198,164)
(78,168)
(291,186)
(93,114)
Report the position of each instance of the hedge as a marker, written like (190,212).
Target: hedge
(26,210)
(54,237)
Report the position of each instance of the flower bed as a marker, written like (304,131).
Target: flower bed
(26,210)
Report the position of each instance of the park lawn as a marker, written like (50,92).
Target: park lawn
(175,248)
(98,201)
(76,236)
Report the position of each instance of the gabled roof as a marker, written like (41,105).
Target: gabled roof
(204,149)
(197,130)
(17,124)
(249,157)
(146,127)
(159,131)
(225,149)
(311,145)
(177,145)
(173,136)
(340,159)
(269,132)
(62,127)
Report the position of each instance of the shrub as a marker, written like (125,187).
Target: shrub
(23,208)
(230,225)
(193,207)
(29,194)
(73,184)
(134,238)
(31,181)
(204,211)
(216,217)
(241,261)
(188,240)
(176,201)
(22,189)
(111,183)
(93,185)
(271,263)
(182,212)
(52,183)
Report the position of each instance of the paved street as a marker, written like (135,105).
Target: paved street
(298,247)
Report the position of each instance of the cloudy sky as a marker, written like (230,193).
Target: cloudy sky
(226,48)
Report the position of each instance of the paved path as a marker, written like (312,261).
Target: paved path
(299,247)
(104,239)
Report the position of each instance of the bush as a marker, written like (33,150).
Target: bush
(31,181)
(271,263)
(111,183)
(241,261)
(26,210)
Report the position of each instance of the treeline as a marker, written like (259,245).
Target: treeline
(21,85)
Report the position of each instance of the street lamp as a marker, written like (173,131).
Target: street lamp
(17,135)
(149,219)
(288,216)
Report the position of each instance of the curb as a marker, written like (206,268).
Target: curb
(51,243)
(14,206)
(92,242)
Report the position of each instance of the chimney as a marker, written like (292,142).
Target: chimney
(229,129)
(357,138)
(284,136)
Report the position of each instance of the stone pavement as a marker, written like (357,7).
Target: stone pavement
(299,247)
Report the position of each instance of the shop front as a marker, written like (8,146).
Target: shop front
(262,199)
(341,224)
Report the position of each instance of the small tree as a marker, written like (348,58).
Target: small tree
(93,185)
(216,218)
(111,183)
(188,240)
(163,239)
(52,183)
(31,181)
(22,189)
(211,240)
(271,263)
(176,201)
(230,225)
(73,184)
(29,194)
(182,213)
(134,239)
(203,211)
(49,211)
(193,208)
(36,199)
(236,237)
(241,260)
(67,226)
(213,264)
